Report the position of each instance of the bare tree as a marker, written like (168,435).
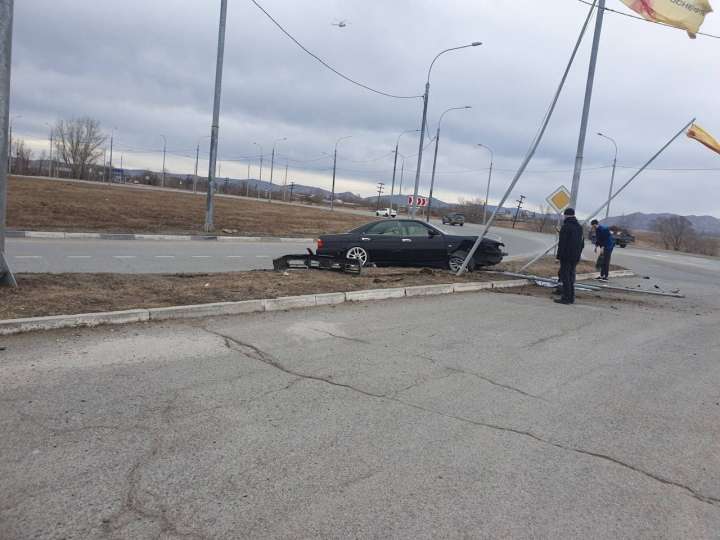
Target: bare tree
(543,221)
(79,143)
(674,231)
(23,157)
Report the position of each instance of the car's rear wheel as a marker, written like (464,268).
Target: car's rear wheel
(456,260)
(357,254)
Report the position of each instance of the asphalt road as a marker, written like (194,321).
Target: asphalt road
(156,256)
(467,416)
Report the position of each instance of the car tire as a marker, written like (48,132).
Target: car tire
(456,260)
(356,253)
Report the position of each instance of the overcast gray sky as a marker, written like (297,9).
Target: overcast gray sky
(147,68)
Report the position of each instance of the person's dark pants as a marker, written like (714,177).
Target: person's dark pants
(567,276)
(605,268)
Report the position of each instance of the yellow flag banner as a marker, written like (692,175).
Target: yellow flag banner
(686,14)
(702,136)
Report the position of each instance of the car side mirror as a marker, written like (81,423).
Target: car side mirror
(432,233)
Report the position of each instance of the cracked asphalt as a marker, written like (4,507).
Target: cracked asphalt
(467,416)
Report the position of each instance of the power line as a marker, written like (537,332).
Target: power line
(631,16)
(323,62)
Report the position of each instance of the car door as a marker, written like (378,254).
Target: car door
(420,247)
(382,241)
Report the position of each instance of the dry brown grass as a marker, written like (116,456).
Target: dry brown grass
(69,206)
(54,294)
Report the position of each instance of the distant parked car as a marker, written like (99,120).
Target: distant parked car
(454,219)
(386,212)
(409,242)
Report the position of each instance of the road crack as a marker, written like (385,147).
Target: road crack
(495,383)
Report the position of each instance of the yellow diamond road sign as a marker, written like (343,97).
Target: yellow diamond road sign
(559,200)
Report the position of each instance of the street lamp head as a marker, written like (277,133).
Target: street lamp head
(468,106)
(476,43)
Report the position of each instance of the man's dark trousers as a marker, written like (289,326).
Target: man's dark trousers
(605,269)
(567,276)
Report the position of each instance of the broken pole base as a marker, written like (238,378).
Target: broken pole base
(7,278)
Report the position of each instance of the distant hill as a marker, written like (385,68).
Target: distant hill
(644,222)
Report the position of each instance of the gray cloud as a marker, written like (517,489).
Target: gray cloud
(147,68)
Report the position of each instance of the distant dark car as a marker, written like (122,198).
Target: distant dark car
(409,243)
(454,219)
(622,237)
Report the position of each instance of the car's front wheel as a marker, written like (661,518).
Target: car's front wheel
(456,260)
(357,254)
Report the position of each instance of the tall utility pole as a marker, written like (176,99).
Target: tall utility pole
(487,192)
(112,136)
(215,129)
(122,169)
(197,163)
(423,125)
(517,212)
(285,181)
(586,107)
(612,177)
(261,160)
(272,167)
(50,166)
(6,25)
(332,194)
(437,143)
(397,147)
(164,151)
(292,188)
(380,188)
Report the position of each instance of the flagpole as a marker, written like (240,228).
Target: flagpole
(586,106)
(626,184)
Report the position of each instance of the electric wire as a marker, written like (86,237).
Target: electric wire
(323,62)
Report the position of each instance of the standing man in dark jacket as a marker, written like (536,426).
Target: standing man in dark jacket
(605,241)
(569,252)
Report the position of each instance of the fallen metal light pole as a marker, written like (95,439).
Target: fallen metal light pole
(533,146)
(626,184)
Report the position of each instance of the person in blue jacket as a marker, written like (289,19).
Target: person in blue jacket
(605,241)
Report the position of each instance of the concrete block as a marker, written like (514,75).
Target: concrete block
(165,237)
(44,234)
(16,326)
(239,239)
(509,284)
(472,287)
(429,290)
(289,302)
(331,299)
(206,310)
(108,236)
(15,234)
(81,236)
(374,294)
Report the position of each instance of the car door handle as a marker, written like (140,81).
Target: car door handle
(407,240)
(365,239)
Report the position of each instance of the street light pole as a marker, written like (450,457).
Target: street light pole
(437,144)
(9,146)
(261,159)
(426,98)
(112,137)
(52,137)
(164,151)
(6,26)
(612,177)
(332,195)
(215,129)
(586,107)
(272,167)
(397,147)
(487,192)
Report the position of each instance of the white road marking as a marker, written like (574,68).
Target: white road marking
(164,256)
(124,256)
(236,256)
(263,256)
(28,256)
(79,257)
(201,257)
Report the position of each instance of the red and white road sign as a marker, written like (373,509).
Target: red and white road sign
(421,201)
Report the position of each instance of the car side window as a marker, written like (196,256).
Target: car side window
(415,229)
(385,228)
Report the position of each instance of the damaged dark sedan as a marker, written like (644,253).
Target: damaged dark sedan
(409,243)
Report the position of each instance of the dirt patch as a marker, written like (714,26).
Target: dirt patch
(49,205)
(55,294)
(548,267)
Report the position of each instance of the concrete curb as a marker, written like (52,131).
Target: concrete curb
(59,235)
(17,326)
